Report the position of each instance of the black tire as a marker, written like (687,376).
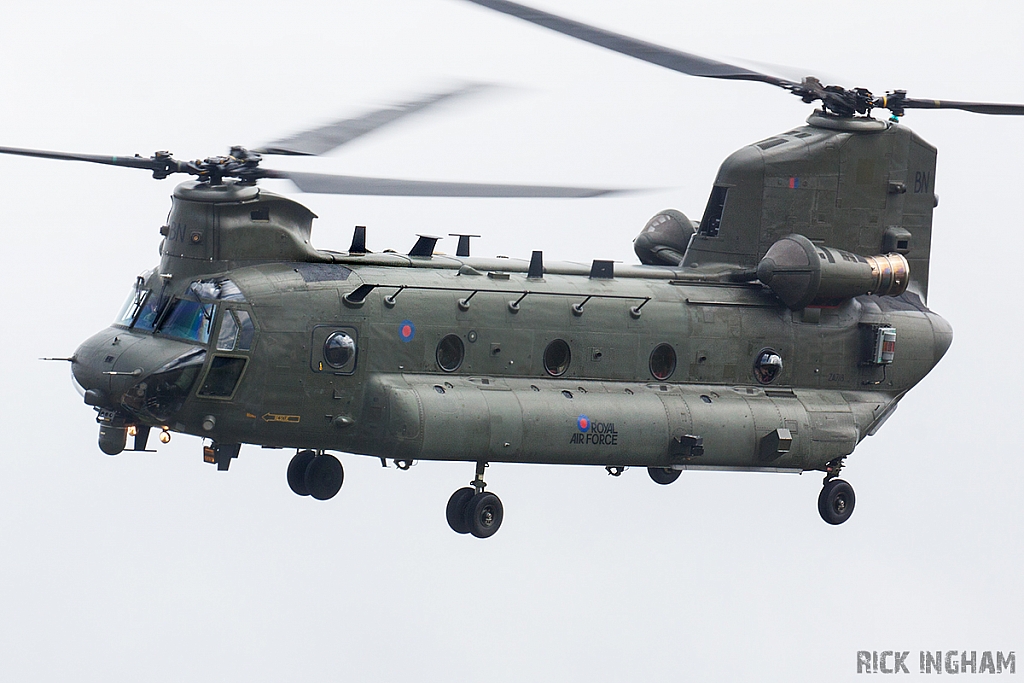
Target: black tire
(456,510)
(662,475)
(324,477)
(484,514)
(836,501)
(297,472)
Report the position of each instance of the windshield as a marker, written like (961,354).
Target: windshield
(150,313)
(132,306)
(189,319)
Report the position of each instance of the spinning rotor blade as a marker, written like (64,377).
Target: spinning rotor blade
(836,100)
(323,183)
(684,62)
(130,162)
(976,107)
(244,164)
(244,167)
(333,135)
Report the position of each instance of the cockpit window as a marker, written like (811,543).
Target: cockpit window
(162,394)
(132,306)
(221,289)
(236,331)
(189,317)
(228,332)
(189,320)
(229,291)
(246,330)
(150,313)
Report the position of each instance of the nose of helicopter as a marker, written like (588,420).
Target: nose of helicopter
(94,361)
(112,364)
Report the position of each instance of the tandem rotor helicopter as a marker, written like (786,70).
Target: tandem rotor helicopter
(772,335)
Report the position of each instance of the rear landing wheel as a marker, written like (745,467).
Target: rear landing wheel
(456,511)
(663,475)
(484,514)
(324,477)
(836,501)
(297,472)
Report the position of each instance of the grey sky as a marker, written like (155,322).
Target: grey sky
(156,567)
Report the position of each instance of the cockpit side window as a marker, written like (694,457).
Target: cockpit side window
(228,332)
(246,330)
(236,331)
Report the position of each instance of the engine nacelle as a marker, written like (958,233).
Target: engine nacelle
(802,273)
(664,239)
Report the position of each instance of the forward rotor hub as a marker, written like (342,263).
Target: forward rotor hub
(239,163)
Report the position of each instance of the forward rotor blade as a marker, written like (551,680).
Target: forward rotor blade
(322,183)
(976,107)
(130,162)
(683,62)
(333,135)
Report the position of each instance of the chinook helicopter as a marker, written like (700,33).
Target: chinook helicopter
(772,335)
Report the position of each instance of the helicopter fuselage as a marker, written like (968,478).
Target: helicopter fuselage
(471,359)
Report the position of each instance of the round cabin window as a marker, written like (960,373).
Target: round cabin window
(663,361)
(556,358)
(339,350)
(450,353)
(767,366)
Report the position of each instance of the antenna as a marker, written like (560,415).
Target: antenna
(358,240)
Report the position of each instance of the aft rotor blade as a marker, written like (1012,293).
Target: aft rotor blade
(333,135)
(130,162)
(322,183)
(676,60)
(976,107)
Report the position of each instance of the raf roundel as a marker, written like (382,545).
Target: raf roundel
(406,331)
(583,423)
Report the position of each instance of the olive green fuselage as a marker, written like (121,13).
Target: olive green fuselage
(501,405)
(456,358)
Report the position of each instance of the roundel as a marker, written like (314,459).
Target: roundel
(583,423)
(406,331)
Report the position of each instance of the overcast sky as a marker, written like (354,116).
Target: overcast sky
(156,567)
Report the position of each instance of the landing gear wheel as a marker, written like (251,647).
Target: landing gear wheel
(484,514)
(663,475)
(324,477)
(456,511)
(836,501)
(297,472)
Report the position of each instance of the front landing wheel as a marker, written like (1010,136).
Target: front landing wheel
(836,501)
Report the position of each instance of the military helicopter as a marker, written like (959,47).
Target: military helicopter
(761,338)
